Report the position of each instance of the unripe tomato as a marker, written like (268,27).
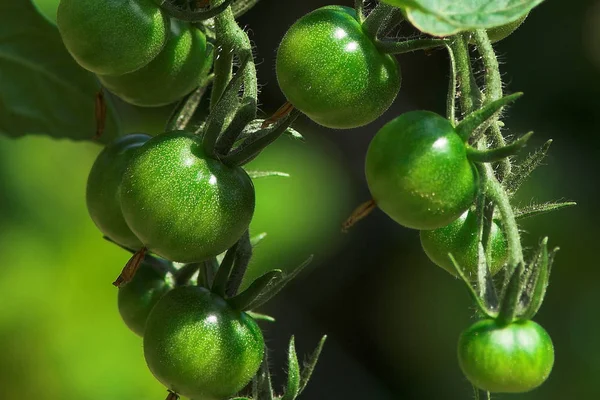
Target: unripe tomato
(112,37)
(104,188)
(331,70)
(199,347)
(418,172)
(515,358)
(183,205)
(175,72)
(137,298)
(460,238)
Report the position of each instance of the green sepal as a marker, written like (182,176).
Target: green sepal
(522,171)
(273,289)
(251,147)
(535,291)
(266,174)
(498,153)
(538,209)
(241,7)
(255,128)
(481,306)
(258,289)
(220,281)
(260,317)
(479,120)
(255,240)
(293,380)
(511,295)
(261,384)
(485,284)
(243,255)
(310,364)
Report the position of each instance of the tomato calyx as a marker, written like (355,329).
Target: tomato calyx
(523,290)
(195,15)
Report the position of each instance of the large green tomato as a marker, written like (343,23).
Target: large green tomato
(418,172)
(183,205)
(104,189)
(460,238)
(331,70)
(175,72)
(112,37)
(137,298)
(199,347)
(515,358)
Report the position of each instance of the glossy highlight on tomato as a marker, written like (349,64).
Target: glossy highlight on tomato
(331,70)
(103,191)
(137,298)
(182,204)
(199,347)
(112,37)
(418,172)
(515,358)
(460,238)
(177,70)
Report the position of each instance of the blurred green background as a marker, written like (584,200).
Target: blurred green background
(392,317)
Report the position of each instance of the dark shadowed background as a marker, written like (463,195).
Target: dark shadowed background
(393,318)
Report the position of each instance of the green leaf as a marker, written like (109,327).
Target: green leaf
(449,17)
(480,120)
(538,209)
(310,364)
(498,153)
(535,291)
(293,382)
(43,91)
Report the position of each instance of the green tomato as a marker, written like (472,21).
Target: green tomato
(104,188)
(183,205)
(199,347)
(331,70)
(176,71)
(112,37)
(137,298)
(460,239)
(418,172)
(515,358)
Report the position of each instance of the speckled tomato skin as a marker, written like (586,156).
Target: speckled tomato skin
(418,172)
(330,69)
(137,298)
(460,238)
(183,205)
(103,190)
(112,37)
(176,71)
(515,358)
(199,347)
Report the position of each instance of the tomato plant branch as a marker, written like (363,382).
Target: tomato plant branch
(468,89)
(192,15)
(359,6)
(407,46)
(451,99)
(241,7)
(378,19)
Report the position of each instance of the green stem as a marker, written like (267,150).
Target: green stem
(406,46)
(359,6)
(241,7)
(499,196)
(193,16)
(468,88)
(493,91)
(378,19)
(451,99)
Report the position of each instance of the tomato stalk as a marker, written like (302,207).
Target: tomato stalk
(379,19)
(407,46)
(193,16)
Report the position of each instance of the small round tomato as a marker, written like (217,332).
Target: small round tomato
(112,37)
(199,347)
(331,70)
(104,188)
(137,298)
(460,238)
(514,358)
(175,72)
(418,172)
(183,205)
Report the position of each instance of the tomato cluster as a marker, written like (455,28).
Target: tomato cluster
(160,59)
